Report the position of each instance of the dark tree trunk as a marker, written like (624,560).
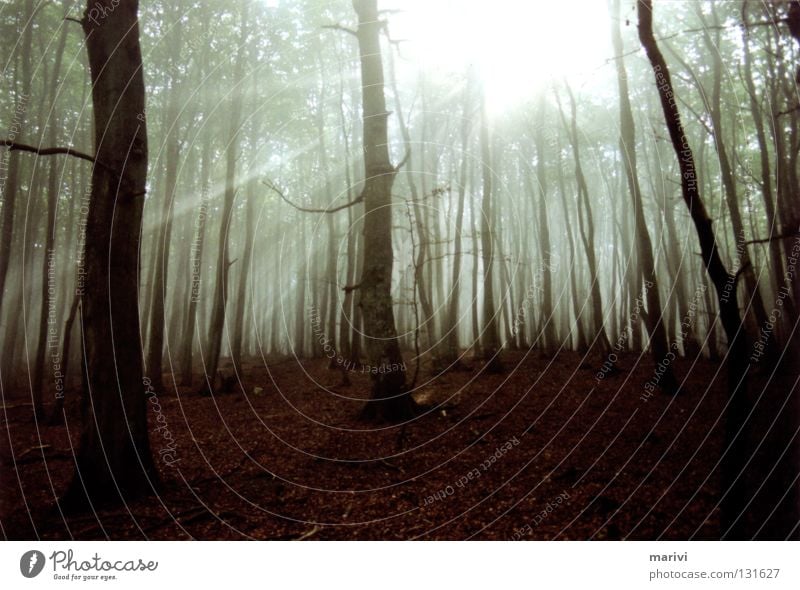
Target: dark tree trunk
(114,463)
(390,399)
(734,487)
(10,190)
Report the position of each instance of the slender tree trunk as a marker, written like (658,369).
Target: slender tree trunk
(654,319)
(48,333)
(453,350)
(10,189)
(196,264)
(244,273)
(390,399)
(491,339)
(217,324)
(420,280)
(548,338)
(586,227)
(734,486)
(164,223)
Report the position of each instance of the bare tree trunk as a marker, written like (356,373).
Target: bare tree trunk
(734,487)
(196,264)
(476,338)
(48,315)
(10,189)
(217,324)
(114,463)
(164,226)
(244,272)
(390,399)
(581,340)
(453,350)
(547,342)
(420,279)
(627,144)
(491,340)
(586,227)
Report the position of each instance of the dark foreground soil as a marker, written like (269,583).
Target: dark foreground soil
(541,451)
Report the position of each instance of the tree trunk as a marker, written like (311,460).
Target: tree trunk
(654,314)
(164,222)
(734,488)
(586,227)
(491,339)
(453,350)
(390,399)
(217,324)
(114,463)
(547,342)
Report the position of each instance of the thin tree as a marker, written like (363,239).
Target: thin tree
(390,399)
(734,501)
(627,144)
(491,337)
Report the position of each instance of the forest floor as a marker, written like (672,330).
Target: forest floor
(541,451)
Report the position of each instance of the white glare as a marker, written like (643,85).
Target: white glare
(518,46)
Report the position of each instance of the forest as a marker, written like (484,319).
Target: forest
(399,269)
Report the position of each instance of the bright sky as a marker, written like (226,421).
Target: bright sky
(518,45)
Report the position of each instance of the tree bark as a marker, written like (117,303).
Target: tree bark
(734,488)
(390,399)
(114,463)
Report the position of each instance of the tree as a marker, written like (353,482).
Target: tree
(217,324)
(491,338)
(390,399)
(161,269)
(734,501)
(586,227)
(627,143)
(114,462)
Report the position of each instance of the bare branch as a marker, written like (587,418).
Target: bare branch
(272,186)
(774,238)
(788,111)
(338,27)
(404,160)
(14,146)
(740,272)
